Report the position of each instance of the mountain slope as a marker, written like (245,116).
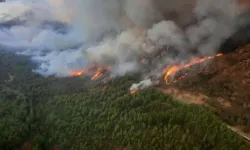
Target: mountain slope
(222,84)
(67,113)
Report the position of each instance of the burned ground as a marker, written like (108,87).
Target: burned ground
(225,81)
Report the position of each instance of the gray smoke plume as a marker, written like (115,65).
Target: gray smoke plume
(64,35)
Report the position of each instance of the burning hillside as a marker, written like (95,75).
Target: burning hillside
(223,85)
(170,71)
(169,74)
(73,106)
(97,72)
(118,35)
(94,71)
(171,44)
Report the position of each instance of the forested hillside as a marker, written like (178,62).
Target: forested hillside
(73,113)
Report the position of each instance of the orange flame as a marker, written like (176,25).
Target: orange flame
(133,91)
(97,74)
(173,69)
(79,72)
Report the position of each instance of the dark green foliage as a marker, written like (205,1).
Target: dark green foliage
(72,114)
(13,113)
(146,120)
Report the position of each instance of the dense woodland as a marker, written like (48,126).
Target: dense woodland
(73,113)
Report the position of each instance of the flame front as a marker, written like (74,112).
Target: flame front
(173,69)
(79,72)
(133,91)
(170,71)
(95,75)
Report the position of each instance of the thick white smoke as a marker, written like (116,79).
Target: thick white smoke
(42,29)
(63,35)
(141,85)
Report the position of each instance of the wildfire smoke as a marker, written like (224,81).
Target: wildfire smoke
(116,34)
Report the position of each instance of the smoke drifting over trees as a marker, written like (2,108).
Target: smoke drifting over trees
(113,31)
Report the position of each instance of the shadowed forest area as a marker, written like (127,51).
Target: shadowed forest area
(41,113)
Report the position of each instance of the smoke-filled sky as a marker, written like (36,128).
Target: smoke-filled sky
(63,35)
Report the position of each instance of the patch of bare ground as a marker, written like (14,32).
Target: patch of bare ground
(222,84)
(201,99)
(225,103)
(240,129)
(185,96)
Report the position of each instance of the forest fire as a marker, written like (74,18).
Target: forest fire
(133,91)
(175,68)
(79,72)
(97,74)
(99,71)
